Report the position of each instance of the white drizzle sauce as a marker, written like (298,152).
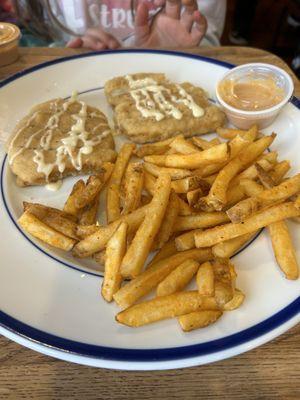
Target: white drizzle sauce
(53,187)
(159,107)
(69,148)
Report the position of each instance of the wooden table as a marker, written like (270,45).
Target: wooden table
(268,372)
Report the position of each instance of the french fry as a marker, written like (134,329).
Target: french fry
(190,183)
(182,146)
(200,220)
(283,249)
(205,144)
(264,218)
(97,241)
(193,196)
(235,302)
(160,308)
(229,133)
(167,225)
(134,179)
(184,208)
(228,248)
(178,278)
(297,202)
(84,231)
(280,170)
(198,319)
(100,257)
(115,251)
(153,148)
(264,177)
(223,293)
(149,183)
(224,272)
(140,246)
(152,276)
(251,188)
(167,250)
(54,218)
(89,213)
(31,224)
(205,279)
(186,241)
(275,195)
(70,204)
(175,173)
(91,190)
(113,210)
(216,154)
(217,196)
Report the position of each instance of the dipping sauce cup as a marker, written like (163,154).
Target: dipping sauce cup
(9,40)
(254,94)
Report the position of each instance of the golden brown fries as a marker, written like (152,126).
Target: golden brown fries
(31,224)
(235,302)
(153,148)
(216,154)
(229,133)
(160,308)
(283,249)
(186,241)
(182,146)
(178,278)
(193,197)
(223,293)
(115,251)
(190,183)
(54,218)
(167,225)
(280,170)
(264,218)
(205,279)
(91,190)
(97,240)
(228,248)
(217,196)
(167,250)
(150,278)
(198,319)
(70,204)
(133,186)
(88,215)
(113,209)
(200,220)
(141,244)
(84,231)
(175,173)
(205,144)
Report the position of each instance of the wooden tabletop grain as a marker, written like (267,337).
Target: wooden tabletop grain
(268,372)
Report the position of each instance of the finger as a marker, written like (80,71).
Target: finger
(159,3)
(74,43)
(191,5)
(92,43)
(103,37)
(173,8)
(187,17)
(141,23)
(200,27)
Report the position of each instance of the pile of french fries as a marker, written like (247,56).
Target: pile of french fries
(195,203)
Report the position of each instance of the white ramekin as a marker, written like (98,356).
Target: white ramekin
(245,119)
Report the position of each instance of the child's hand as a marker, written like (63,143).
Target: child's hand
(171,28)
(95,39)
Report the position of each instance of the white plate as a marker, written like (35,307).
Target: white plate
(51,302)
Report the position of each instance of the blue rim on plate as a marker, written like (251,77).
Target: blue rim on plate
(143,355)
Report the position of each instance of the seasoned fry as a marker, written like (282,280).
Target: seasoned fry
(91,190)
(140,246)
(216,154)
(89,213)
(266,217)
(200,220)
(54,218)
(153,148)
(251,188)
(31,224)
(70,204)
(223,293)
(280,170)
(152,276)
(100,257)
(267,197)
(134,180)
(264,177)
(297,202)
(229,133)
(178,278)
(217,196)
(235,302)
(167,225)
(184,208)
(175,173)
(198,319)
(84,231)
(149,183)
(182,146)
(167,250)
(97,240)
(113,191)
(160,308)
(193,197)
(115,251)
(228,248)
(224,272)
(283,249)
(186,241)
(205,144)
(190,183)
(205,279)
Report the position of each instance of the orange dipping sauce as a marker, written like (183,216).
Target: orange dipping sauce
(250,94)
